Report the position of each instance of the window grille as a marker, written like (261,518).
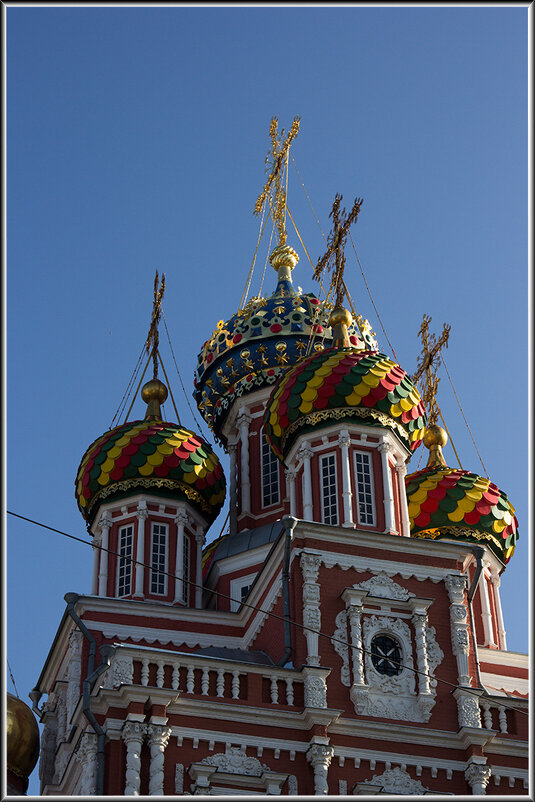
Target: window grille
(364,483)
(158,559)
(328,489)
(270,475)
(124,582)
(386,655)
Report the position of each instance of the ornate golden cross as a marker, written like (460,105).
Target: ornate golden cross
(153,339)
(334,258)
(273,190)
(429,362)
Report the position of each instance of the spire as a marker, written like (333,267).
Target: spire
(429,363)
(153,339)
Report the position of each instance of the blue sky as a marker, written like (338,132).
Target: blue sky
(136,140)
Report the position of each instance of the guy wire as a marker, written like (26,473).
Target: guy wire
(12,678)
(128,387)
(169,387)
(251,269)
(462,413)
(137,389)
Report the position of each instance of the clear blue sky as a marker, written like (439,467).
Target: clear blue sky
(136,140)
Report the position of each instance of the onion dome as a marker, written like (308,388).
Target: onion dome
(456,504)
(153,456)
(344,383)
(254,348)
(22,741)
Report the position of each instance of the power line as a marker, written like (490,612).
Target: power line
(226,596)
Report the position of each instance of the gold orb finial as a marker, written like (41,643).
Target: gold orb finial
(22,737)
(153,393)
(339,321)
(435,438)
(283,259)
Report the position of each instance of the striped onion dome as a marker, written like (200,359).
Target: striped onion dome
(258,343)
(343,383)
(456,504)
(153,456)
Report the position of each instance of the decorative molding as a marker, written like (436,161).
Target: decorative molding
(87,756)
(310,564)
(477,776)
(395,781)
(383,585)
(235,761)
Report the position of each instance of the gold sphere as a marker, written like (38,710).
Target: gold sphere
(283,256)
(340,315)
(435,436)
(22,737)
(154,390)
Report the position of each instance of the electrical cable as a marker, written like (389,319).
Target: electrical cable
(257,609)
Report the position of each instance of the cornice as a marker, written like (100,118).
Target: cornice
(502,658)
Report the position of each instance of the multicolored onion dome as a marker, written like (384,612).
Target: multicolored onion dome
(153,456)
(254,348)
(455,504)
(342,383)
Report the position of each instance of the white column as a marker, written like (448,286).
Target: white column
(344,442)
(401,472)
(181,520)
(477,776)
(486,614)
(158,737)
(87,756)
(384,449)
(305,454)
(290,481)
(104,524)
(244,421)
(456,585)
(233,501)
(133,733)
(142,515)
(199,540)
(95,542)
(320,756)
(495,579)
(419,619)
(310,564)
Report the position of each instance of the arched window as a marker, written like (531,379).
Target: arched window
(270,474)
(124,572)
(364,488)
(329,500)
(386,655)
(158,561)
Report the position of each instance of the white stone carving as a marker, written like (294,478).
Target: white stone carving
(292,785)
(133,733)
(87,756)
(235,761)
(397,781)
(341,647)
(310,564)
(74,672)
(48,748)
(320,756)
(467,709)
(122,671)
(456,586)
(179,778)
(399,683)
(158,737)
(315,689)
(477,776)
(383,586)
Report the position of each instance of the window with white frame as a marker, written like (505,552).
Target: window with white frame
(124,572)
(158,558)
(364,488)
(270,474)
(185,569)
(329,500)
(239,588)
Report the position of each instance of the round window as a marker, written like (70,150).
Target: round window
(386,655)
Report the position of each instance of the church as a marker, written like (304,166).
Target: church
(345,635)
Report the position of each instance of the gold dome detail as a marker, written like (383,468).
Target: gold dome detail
(435,438)
(153,393)
(22,737)
(283,256)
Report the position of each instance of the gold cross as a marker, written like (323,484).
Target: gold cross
(334,258)
(153,339)
(429,362)
(273,190)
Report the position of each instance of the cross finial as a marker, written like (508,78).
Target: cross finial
(274,191)
(152,341)
(334,257)
(428,363)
